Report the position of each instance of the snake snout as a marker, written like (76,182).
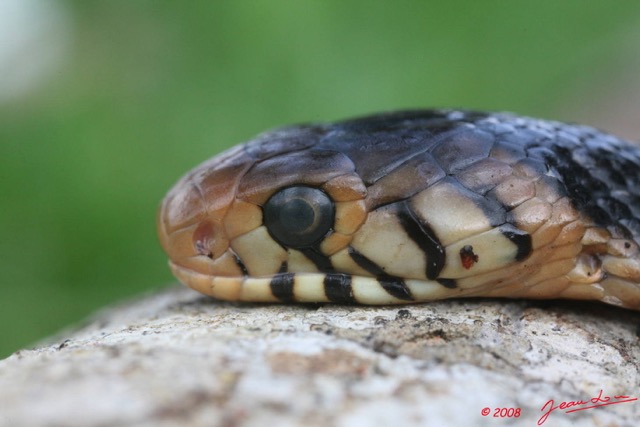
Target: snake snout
(191,219)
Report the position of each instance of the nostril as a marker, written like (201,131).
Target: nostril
(209,240)
(203,250)
(201,239)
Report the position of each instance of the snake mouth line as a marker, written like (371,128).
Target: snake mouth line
(314,287)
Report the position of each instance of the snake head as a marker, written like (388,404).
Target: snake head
(411,206)
(259,210)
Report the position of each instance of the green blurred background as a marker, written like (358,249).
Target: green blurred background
(103,105)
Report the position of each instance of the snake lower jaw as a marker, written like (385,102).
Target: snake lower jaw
(320,288)
(347,289)
(312,288)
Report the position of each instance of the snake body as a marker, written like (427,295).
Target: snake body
(412,206)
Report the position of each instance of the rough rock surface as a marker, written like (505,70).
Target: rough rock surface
(178,358)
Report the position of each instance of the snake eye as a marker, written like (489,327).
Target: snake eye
(298,217)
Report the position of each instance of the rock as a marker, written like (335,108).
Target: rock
(178,358)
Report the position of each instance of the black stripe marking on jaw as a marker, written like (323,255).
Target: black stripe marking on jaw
(395,286)
(240,264)
(520,238)
(282,284)
(320,260)
(448,283)
(337,288)
(365,262)
(426,240)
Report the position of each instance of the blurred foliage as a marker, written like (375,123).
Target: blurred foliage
(152,88)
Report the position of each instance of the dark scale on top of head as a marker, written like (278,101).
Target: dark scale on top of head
(378,144)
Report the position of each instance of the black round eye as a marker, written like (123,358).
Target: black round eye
(298,217)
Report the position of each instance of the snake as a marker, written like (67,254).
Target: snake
(412,206)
